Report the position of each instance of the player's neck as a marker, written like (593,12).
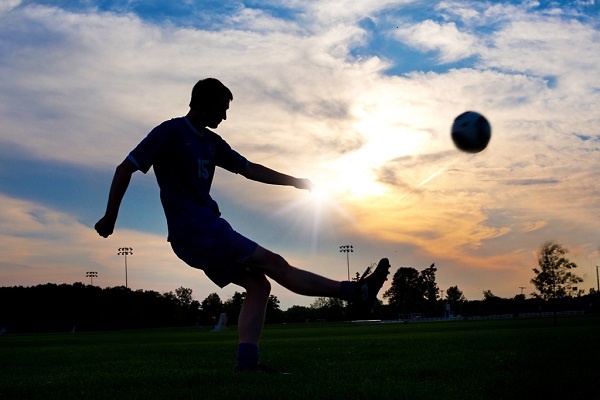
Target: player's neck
(196,120)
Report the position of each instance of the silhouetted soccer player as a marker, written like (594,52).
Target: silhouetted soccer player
(184,154)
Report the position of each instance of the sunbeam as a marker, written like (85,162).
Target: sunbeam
(309,212)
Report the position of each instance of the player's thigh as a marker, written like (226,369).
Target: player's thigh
(217,249)
(267,262)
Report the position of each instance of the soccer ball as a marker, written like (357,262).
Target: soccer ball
(471,132)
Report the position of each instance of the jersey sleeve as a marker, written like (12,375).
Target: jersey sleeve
(146,152)
(230,159)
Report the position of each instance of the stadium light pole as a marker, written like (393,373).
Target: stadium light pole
(91,275)
(347,249)
(125,251)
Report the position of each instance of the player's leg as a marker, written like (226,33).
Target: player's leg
(297,280)
(361,294)
(252,315)
(251,319)
(251,276)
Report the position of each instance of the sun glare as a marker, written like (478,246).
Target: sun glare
(354,179)
(355,175)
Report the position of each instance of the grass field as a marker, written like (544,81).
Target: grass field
(502,359)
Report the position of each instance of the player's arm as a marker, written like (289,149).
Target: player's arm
(260,173)
(106,225)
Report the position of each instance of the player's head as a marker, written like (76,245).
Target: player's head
(207,92)
(210,99)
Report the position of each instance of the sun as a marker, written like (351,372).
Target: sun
(319,194)
(354,180)
(356,176)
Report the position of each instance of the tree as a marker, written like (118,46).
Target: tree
(412,291)
(233,305)
(520,298)
(405,293)
(211,307)
(184,296)
(297,314)
(189,307)
(489,296)
(320,302)
(455,301)
(274,313)
(429,287)
(554,279)
(491,304)
(328,308)
(454,295)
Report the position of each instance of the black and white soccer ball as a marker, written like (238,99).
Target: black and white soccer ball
(471,132)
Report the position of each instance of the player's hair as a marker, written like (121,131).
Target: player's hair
(206,91)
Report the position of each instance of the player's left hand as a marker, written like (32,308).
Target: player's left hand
(105,226)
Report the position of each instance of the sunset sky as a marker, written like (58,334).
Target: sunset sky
(357,96)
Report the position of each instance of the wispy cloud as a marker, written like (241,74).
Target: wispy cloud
(446,38)
(528,182)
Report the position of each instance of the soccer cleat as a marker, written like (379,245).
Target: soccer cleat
(261,368)
(367,288)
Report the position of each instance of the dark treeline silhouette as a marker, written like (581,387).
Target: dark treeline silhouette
(517,306)
(64,307)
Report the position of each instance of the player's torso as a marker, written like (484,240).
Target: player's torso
(190,158)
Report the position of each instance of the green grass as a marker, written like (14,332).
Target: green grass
(508,359)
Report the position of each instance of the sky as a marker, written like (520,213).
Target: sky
(358,96)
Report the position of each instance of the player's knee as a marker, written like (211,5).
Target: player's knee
(278,261)
(281,270)
(273,265)
(260,285)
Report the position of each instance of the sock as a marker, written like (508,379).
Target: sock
(247,356)
(348,290)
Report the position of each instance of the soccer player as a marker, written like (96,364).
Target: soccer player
(184,154)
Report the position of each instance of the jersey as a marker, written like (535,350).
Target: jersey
(184,161)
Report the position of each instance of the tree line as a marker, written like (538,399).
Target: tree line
(51,307)
(64,307)
(415,293)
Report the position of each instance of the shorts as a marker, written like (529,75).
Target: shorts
(216,249)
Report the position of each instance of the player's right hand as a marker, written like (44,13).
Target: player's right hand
(105,226)
(304,184)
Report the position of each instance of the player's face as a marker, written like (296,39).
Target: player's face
(216,113)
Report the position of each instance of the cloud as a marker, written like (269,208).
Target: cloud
(40,245)
(8,5)
(445,38)
(65,70)
(329,13)
(84,86)
(544,48)
(534,226)
(585,138)
(528,182)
